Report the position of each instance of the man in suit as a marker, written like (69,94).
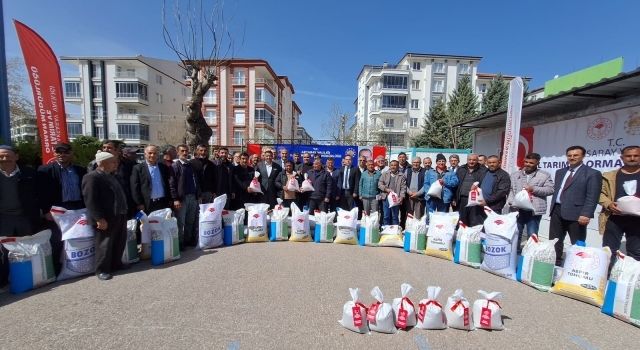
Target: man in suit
(284,157)
(347,184)
(106,211)
(150,182)
(206,171)
(224,176)
(576,194)
(184,186)
(59,184)
(269,172)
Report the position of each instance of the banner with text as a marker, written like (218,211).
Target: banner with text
(512,128)
(46,83)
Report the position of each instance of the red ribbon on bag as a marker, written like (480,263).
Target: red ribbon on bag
(485,314)
(401,320)
(423,308)
(373,310)
(466,311)
(357,316)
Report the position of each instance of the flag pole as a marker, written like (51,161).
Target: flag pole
(5,124)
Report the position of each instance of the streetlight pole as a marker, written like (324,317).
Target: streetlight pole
(5,127)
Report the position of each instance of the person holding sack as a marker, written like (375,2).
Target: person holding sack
(242,176)
(392,183)
(449,182)
(288,184)
(467,175)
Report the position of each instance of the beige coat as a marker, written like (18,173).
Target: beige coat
(607,196)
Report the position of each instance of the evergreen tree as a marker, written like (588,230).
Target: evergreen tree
(461,107)
(434,132)
(497,97)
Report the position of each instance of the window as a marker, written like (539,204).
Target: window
(74,129)
(98,131)
(238,77)
(435,100)
(158,79)
(438,67)
(463,68)
(438,85)
(394,82)
(131,90)
(159,97)
(184,92)
(483,88)
(211,96)
(413,122)
(213,140)
(72,89)
(96,72)
(97,91)
(394,101)
(133,131)
(238,98)
(415,85)
(122,72)
(393,139)
(264,116)
(414,104)
(415,66)
(98,112)
(264,95)
(388,123)
(239,117)
(238,137)
(210,115)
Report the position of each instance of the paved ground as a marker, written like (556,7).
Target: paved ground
(287,296)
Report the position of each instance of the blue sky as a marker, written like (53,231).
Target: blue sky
(322,45)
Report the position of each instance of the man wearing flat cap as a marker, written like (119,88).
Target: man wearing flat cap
(106,211)
(58,184)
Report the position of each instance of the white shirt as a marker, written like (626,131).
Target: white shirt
(269,166)
(566,176)
(13,173)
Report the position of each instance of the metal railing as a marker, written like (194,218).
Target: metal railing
(73,94)
(239,101)
(131,95)
(239,80)
(131,116)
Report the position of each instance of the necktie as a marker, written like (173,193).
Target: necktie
(567,183)
(345,184)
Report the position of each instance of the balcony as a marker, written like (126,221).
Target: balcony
(239,101)
(131,97)
(132,117)
(75,117)
(239,80)
(269,83)
(131,75)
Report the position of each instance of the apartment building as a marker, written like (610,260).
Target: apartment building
(24,128)
(139,100)
(394,100)
(250,103)
(303,137)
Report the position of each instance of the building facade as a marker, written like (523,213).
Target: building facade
(394,100)
(303,137)
(138,100)
(24,128)
(250,103)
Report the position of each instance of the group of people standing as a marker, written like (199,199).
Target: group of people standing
(114,187)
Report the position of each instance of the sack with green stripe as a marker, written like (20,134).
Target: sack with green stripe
(165,242)
(30,261)
(369,234)
(130,254)
(622,296)
(279,226)
(468,249)
(233,221)
(537,263)
(324,231)
(415,234)
(347,225)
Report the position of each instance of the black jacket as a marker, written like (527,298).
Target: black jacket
(283,179)
(207,172)
(268,182)
(28,195)
(409,175)
(49,184)
(353,180)
(141,183)
(499,192)
(176,182)
(104,197)
(462,172)
(224,179)
(322,184)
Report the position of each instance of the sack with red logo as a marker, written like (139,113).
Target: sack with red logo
(292,184)
(435,190)
(79,244)
(523,200)
(347,225)
(354,314)
(501,244)
(442,227)
(257,222)
(210,223)
(629,204)
(403,310)
(430,313)
(380,314)
(584,274)
(622,298)
(323,230)
(487,313)
(254,186)
(415,234)
(468,250)
(300,227)
(307,186)
(279,227)
(475,196)
(393,199)
(391,236)
(458,312)
(537,263)
(233,226)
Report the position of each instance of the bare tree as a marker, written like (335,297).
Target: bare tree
(337,127)
(201,38)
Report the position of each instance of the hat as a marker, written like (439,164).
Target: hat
(100,156)
(62,146)
(7,148)
(440,157)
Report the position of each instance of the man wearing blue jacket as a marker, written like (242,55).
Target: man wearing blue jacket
(449,182)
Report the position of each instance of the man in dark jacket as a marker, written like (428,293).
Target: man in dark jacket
(19,212)
(59,184)
(224,176)
(106,211)
(184,185)
(415,193)
(206,171)
(150,182)
(243,174)
(322,185)
(348,181)
(123,171)
(467,175)
(269,172)
(495,185)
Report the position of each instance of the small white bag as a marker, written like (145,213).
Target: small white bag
(393,199)
(380,314)
(254,186)
(435,190)
(475,196)
(458,312)
(523,200)
(307,186)
(354,314)
(403,310)
(430,311)
(293,185)
(629,204)
(487,312)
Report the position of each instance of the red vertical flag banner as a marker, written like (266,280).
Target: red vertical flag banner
(46,83)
